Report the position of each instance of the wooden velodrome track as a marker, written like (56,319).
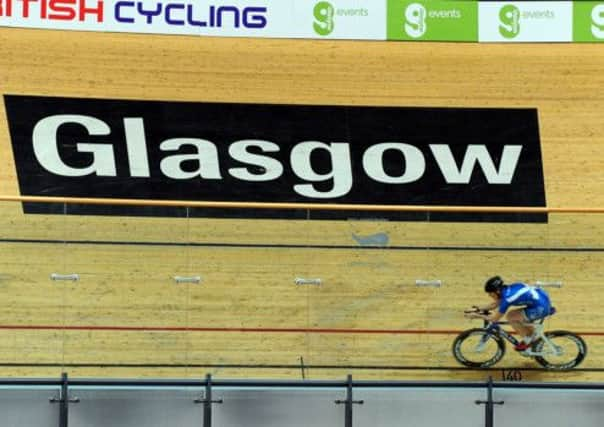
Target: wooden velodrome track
(126,317)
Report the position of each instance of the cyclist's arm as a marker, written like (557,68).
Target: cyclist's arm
(496,309)
(490,307)
(494,316)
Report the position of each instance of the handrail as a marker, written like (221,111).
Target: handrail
(253,383)
(296,206)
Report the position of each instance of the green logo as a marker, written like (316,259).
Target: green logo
(324,23)
(415,20)
(588,21)
(438,20)
(597,21)
(509,19)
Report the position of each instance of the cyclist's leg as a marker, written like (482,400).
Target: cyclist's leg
(518,320)
(532,314)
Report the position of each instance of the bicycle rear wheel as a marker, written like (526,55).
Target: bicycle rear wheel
(478,348)
(567,350)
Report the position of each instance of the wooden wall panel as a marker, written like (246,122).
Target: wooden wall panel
(127,317)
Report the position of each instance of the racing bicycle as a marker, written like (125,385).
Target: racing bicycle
(484,347)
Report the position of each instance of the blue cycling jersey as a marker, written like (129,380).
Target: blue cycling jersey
(522,294)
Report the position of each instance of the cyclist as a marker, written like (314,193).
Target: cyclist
(535,301)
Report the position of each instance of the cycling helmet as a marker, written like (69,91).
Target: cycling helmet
(494,284)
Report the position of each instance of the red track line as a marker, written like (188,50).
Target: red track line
(196,329)
(249,330)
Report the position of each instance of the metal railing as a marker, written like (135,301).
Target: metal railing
(66,398)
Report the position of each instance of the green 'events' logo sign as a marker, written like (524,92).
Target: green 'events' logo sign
(588,21)
(509,21)
(444,20)
(324,22)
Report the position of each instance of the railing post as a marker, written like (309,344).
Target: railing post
(348,402)
(207,402)
(64,401)
(489,404)
(207,405)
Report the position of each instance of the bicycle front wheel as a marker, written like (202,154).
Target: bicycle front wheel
(561,351)
(478,348)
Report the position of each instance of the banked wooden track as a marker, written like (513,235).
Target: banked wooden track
(127,317)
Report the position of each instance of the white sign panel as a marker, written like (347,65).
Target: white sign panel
(340,19)
(525,21)
(226,18)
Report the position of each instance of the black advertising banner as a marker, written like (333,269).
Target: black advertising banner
(277,153)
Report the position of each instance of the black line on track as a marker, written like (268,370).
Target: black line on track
(299,246)
(285,366)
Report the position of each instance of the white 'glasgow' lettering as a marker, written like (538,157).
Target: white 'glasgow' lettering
(263,167)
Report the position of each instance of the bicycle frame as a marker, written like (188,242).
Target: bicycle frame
(495,327)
